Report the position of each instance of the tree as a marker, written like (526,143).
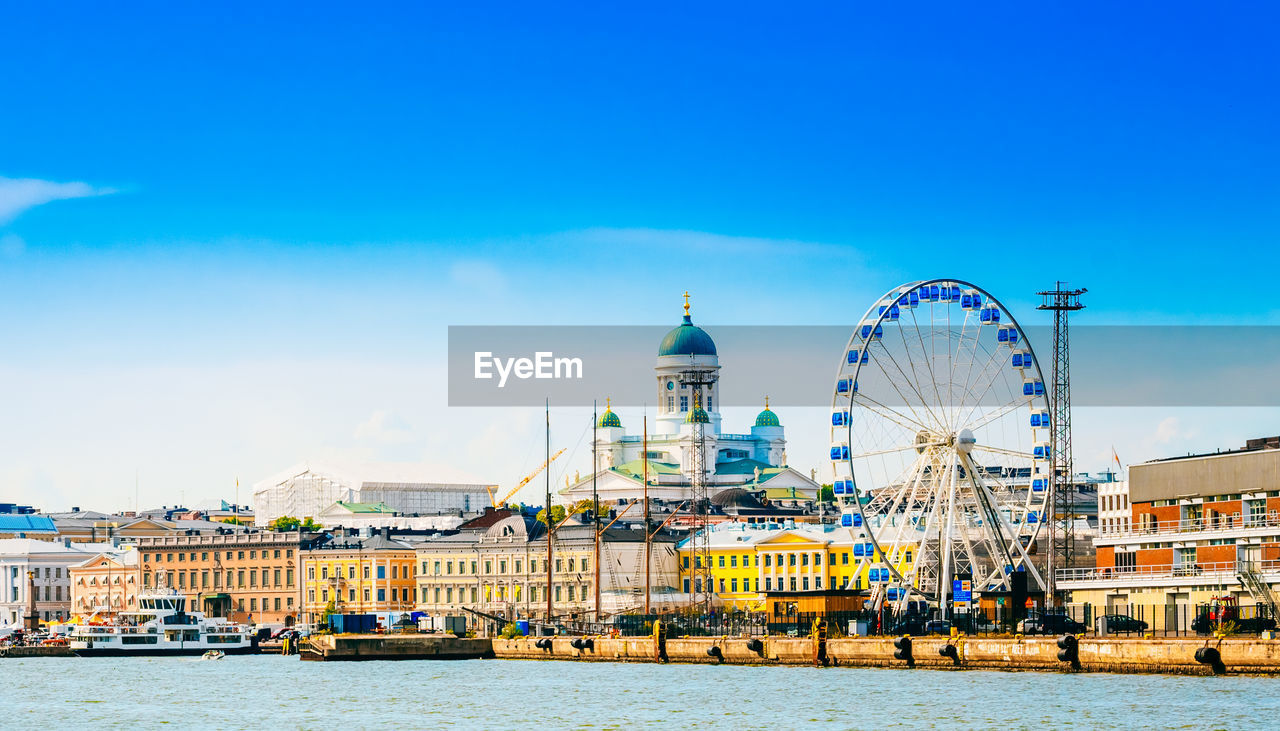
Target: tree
(330,608)
(557,515)
(288,523)
(234,521)
(827,494)
(512,630)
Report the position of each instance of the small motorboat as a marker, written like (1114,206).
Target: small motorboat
(213,655)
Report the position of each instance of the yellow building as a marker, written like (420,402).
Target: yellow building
(364,575)
(500,569)
(748,560)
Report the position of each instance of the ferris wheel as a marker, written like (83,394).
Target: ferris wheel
(941,444)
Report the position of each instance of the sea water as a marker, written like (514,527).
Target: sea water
(271,691)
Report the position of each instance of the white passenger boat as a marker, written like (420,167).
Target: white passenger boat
(162,626)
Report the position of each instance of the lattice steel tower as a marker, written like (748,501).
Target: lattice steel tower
(1061,302)
(701,590)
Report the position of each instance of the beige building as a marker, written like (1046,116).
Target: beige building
(106,584)
(245,576)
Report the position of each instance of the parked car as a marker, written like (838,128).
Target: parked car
(1051,624)
(1120,623)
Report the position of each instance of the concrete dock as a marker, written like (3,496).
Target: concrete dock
(1188,656)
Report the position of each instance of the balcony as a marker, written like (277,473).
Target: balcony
(1162,574)
(1216,524)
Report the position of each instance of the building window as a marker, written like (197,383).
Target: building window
(311,573)
(768,584)
(364,571)
(288,577)
(671,404)
(351,571)
(311,596)
(253,604)
(684,404)
(791,559)
(275,577)
(351,595)
(436,568)
(276,603)
(324,572)
(733,561)
(733,585)
(557,592)
(768,560)
(366,595)
(382,595)
(793,583)
(804,559)
(686,586)
(448,595)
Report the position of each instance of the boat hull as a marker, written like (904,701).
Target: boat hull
(159,651)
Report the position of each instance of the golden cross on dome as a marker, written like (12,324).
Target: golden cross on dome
(766,403)
(608,403)
(686,303)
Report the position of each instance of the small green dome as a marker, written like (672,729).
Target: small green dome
(687,339)
(697,416)
(609,419)
(767,418)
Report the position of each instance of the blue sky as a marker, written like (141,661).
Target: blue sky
(232,238)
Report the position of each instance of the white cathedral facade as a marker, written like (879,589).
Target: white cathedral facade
(687,380)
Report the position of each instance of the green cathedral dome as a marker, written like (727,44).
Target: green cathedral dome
(608,419)
(687,338)
(767,418)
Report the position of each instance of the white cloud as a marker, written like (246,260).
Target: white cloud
(478,275)
(17,195)
(384,427)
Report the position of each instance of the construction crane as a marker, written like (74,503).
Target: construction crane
(523,482)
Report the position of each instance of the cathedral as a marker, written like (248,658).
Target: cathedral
(687,377)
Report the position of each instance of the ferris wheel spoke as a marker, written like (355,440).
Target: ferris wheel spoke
(999,413)
(995,375)
(910,384)
(926,353)
(892,415)
(891,450)
(1007,452)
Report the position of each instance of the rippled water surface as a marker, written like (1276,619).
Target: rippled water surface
(282,692)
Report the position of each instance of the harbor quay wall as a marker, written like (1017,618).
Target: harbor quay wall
(1127,655)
